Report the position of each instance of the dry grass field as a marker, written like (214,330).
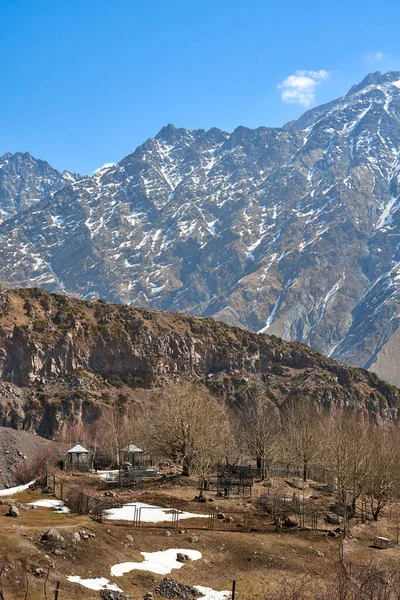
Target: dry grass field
(257,560)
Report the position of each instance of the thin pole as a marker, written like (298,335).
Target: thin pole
(57,590)
(233,589)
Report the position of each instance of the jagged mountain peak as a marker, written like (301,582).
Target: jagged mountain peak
(292,231)
(170,133)
(375,79)
(26,180)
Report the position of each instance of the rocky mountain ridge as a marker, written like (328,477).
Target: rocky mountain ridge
(292,231)
(25,180)
(64,360)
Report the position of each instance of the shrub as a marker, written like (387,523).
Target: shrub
(35,467)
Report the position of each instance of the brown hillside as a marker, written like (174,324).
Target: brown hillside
(62,359)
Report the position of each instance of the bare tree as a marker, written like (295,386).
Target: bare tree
(111,433)
(383,477)
(347,451)
(262,427)
(186,423)
(234,439)
(303,430)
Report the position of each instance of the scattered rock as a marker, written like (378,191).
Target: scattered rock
(111,595)
(290,522)
(168,588)
(298,484)
(182,558)
(194,539)
(220,515)
(338,530)
(13,511)
(52,535)
(129,538)
(333,519)
(76,538)
(228,520)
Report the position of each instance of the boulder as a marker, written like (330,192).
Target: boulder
(290,522)
(182,558)
(333,519)
(298,484)
(13,511)
(52,535)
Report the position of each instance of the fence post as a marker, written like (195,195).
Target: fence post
(233,589)
(57,590)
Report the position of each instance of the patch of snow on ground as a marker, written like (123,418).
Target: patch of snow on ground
(161,562)
(16,490)
(99,583)
(148,513)
(210,594)
(107,474)
(385,218)
(58,505)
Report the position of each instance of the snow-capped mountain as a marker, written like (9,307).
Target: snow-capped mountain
(24,180)
(292,231)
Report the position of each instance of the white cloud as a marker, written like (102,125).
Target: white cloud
(375,56)
(299,88)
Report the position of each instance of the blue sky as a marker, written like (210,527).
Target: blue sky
(84,82)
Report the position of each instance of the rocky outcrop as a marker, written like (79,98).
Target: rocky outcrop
(63,359)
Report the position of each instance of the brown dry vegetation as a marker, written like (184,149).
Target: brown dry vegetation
(65,360)
(252,559)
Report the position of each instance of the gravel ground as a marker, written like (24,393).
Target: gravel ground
(17,447)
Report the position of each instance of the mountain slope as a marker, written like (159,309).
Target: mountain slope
(62,360)
(293,230)
(25,180)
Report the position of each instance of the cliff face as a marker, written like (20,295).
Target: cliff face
(63,359)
